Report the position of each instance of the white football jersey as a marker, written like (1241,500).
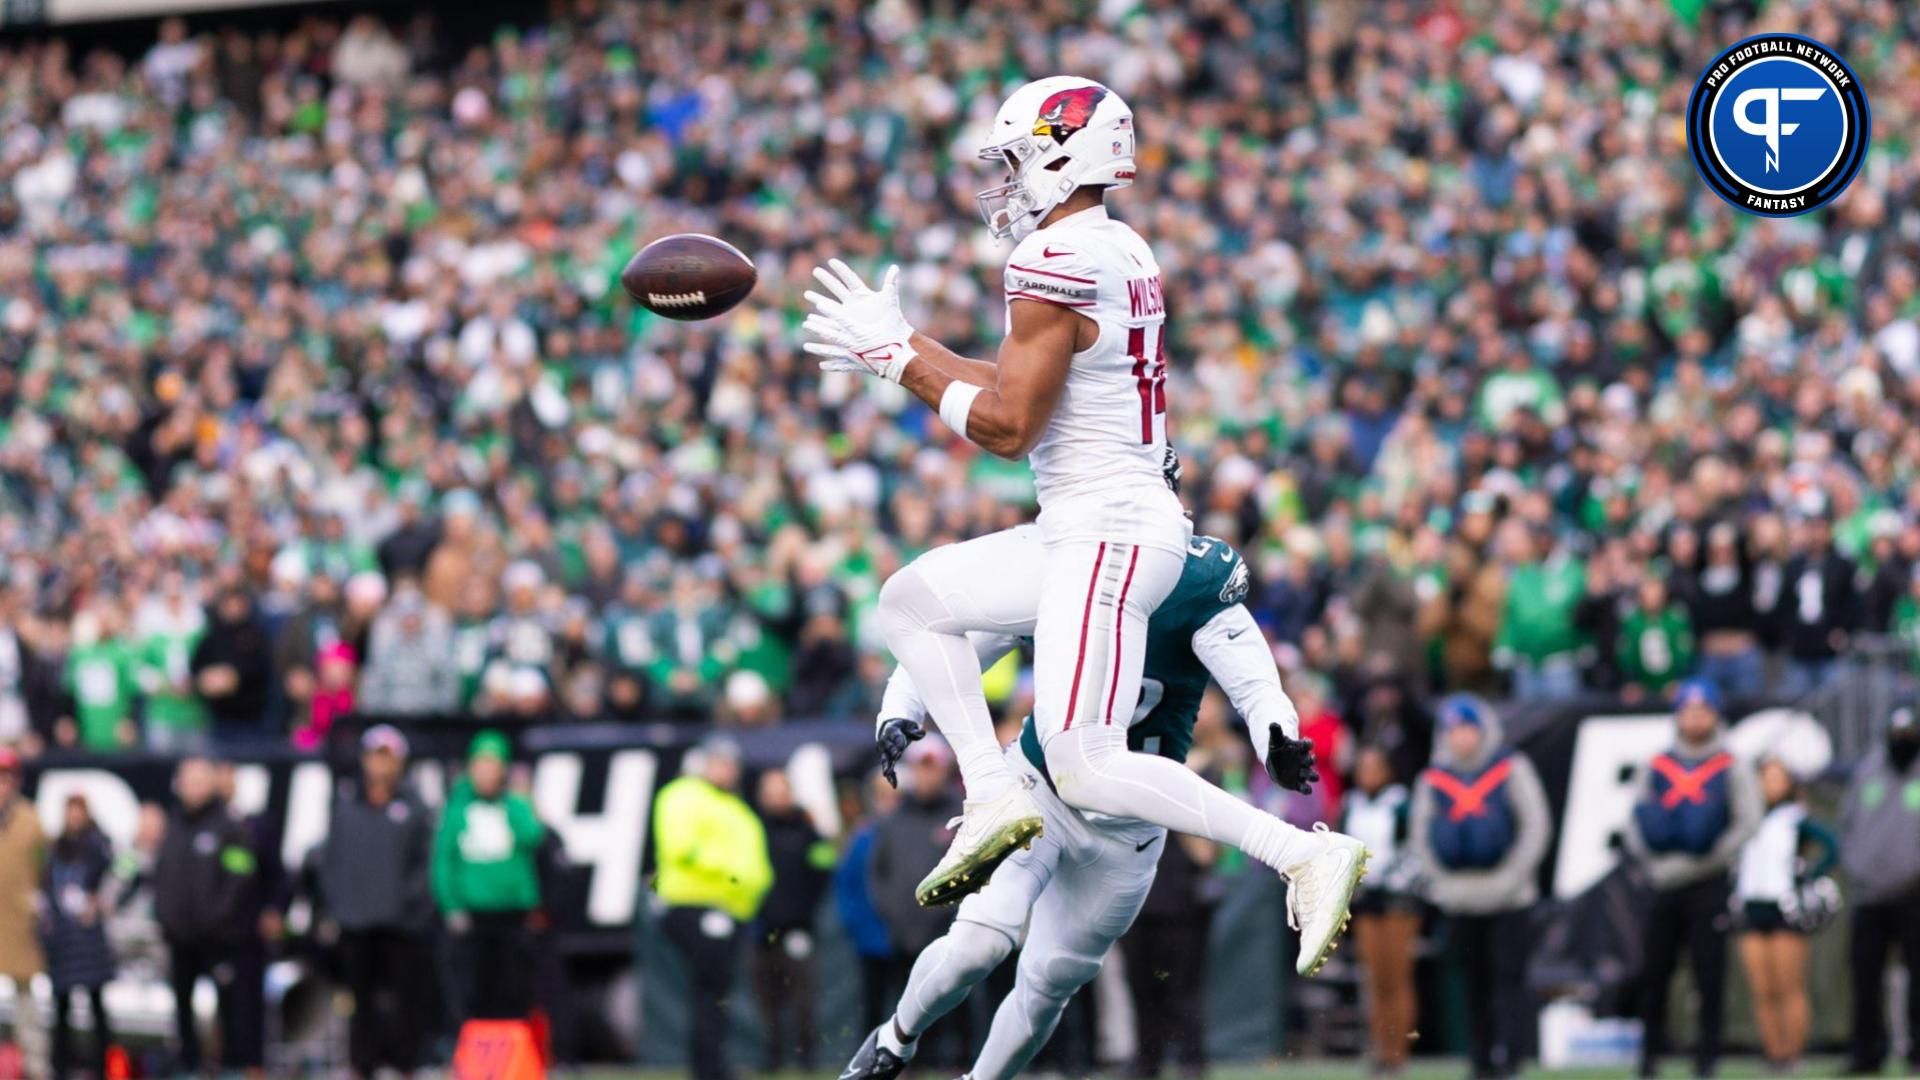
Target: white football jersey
(1109,431)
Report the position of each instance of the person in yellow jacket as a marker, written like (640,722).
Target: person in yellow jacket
(711,851)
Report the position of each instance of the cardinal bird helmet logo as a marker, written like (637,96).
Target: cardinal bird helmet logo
(1068,111)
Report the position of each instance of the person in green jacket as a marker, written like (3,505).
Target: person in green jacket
(713,872)
(1656,641)
(100,676)
(487,884)
(1538,641)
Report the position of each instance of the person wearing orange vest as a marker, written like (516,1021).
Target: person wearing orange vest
(1696,807)
(1479,827)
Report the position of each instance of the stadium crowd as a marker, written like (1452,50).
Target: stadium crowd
(318,392)
(318,395)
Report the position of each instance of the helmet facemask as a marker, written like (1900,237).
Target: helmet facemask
(1010,210)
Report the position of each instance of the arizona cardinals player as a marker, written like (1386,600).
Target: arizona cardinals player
(1077,389)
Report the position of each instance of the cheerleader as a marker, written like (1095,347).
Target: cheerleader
(1780,898)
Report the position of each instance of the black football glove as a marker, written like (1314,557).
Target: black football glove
(1290,761)
(1170,470)
(894,738)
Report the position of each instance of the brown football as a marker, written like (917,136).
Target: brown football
(688,276)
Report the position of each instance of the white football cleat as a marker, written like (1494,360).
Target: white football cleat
(1318,892)
(989,830)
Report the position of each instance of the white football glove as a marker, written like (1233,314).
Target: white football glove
(859,329)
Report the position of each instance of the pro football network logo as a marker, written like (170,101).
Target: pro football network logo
(1778,125)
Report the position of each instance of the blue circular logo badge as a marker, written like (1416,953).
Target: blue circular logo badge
(1778,125)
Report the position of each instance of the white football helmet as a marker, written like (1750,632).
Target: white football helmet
(1054,135)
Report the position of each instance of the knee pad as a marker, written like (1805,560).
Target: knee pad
(905,602)
(976,950)
(1057,977)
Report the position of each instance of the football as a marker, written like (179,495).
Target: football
(689,276)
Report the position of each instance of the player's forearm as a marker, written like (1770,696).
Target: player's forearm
(995,424)
(981,373)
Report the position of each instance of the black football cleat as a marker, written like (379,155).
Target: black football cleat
(873,1061)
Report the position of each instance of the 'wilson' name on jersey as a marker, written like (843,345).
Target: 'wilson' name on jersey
(1144,297)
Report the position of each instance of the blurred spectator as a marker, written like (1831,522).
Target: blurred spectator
(1880,851)
(1386,910)
(1166,951)
(1656,642)
(907,842)
(233,667)
(202,878)
(168,628)
(263,907)
(75,930)
(784,962)
(883,971)
(713,875)
(100,676)
(373,873)
(487,884)
(313,626)
(333,695)
(691,652)
(23,850)
(410,664)
(1724,617)
(1770,882)
(1816,606)
(1480,826)
(1696,807)
(1538,642)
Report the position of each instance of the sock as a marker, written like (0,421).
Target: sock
(891,1041)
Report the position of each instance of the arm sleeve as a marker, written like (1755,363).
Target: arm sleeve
(1743,789)
(1419,825)
(901,700)
(1235,653)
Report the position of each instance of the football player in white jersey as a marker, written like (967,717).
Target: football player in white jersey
(1078,389)
(1065,902)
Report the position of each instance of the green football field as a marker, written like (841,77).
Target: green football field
(1437,1069)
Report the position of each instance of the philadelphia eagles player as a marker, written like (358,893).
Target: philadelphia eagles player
(1086,876)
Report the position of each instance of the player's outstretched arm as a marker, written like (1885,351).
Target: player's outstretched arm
(1008,417)
(1004,406)
(1236,654)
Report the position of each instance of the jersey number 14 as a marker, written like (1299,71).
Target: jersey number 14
(1150,372)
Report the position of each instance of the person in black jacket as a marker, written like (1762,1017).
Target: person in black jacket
(201,879)
(233,668)
(262,912)
(75,930)
(1815,608)
(907,842)
(783,956)
(1166,955)
(372,872)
